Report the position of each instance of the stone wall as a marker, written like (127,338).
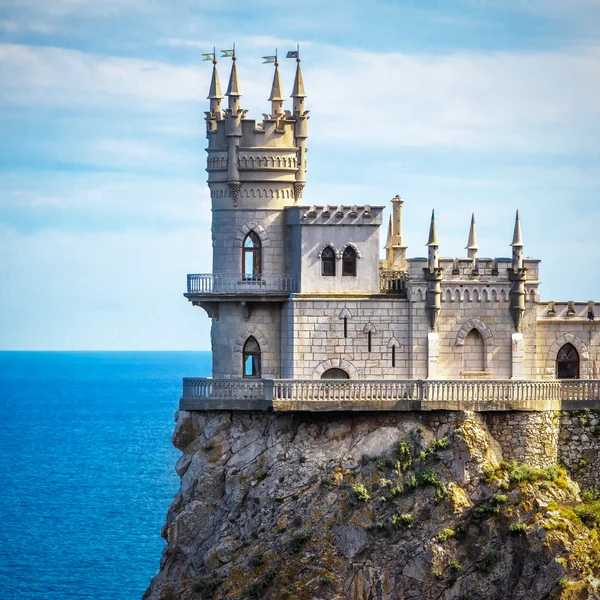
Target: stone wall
(530,437)
(579,445)
(316,338)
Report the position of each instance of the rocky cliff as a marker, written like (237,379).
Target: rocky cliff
(369,507)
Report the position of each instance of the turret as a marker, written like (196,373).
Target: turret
(433,245)
(517,245)
(433,276)
(233,89)
(517,276)
(472,243)
(398,249)
(214,93)
(300,130)
(276,97)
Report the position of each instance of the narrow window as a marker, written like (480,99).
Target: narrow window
(345,327)
(252,256)
(393,356)
(328,262)
(251,358)
(349,261)
(369,340)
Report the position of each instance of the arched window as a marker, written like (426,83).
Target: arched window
(349,261)
(251,364)
(252,256)
(335,374)
(474,352)
(328,262)
(567,362)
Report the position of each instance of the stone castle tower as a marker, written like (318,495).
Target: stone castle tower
(298,291)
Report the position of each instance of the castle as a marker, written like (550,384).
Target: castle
(298,293)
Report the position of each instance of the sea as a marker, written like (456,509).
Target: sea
(87,470)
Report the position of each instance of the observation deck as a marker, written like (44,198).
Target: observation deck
(282,395)
(233,287)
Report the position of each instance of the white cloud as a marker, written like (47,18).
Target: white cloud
(532,102)
(121,199)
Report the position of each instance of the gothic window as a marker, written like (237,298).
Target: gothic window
(349,261)
(567,363)
(252,256)
(251,366)
(328,262)
(474,352)
(335,374)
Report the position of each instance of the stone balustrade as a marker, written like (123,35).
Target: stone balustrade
(228,283)
(366,394)
(393,282)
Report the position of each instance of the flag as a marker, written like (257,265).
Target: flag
(269,59)
(209,56)
(292,54)
(226,53)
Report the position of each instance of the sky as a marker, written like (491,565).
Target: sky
(464,106)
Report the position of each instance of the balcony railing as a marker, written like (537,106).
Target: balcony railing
(227,283)
(392,282)
(532,394)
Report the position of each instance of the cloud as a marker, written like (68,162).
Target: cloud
(524,102)
(110,201)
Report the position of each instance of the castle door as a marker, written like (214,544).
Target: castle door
(335,374)
(567,363)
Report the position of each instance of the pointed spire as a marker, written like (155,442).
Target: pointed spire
(215,93)
(388,243)
(298,91)
(433,238)
(472,246)
(517,237)
(276,90)
(233,89)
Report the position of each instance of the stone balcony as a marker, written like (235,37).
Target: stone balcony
(206,288)
(381,395)
(232,286)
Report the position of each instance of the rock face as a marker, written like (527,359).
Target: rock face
(366,507)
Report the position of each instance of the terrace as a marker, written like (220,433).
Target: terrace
(282,395)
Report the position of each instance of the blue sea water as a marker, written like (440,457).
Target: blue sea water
(86,470)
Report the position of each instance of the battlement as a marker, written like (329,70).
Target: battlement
(252,160)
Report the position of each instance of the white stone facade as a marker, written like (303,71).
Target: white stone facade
(398,318)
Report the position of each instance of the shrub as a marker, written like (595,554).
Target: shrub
(404,455)
(517,528)
(590,495)
(455,566)
(521,473)
(429,477)
(589,513)
(486,563)
(404,520)
(440,444)
(445,533)
(325,580)
(441,492)
(207,585)
(299,540)
(359,493)
(500,498)
(411,482)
